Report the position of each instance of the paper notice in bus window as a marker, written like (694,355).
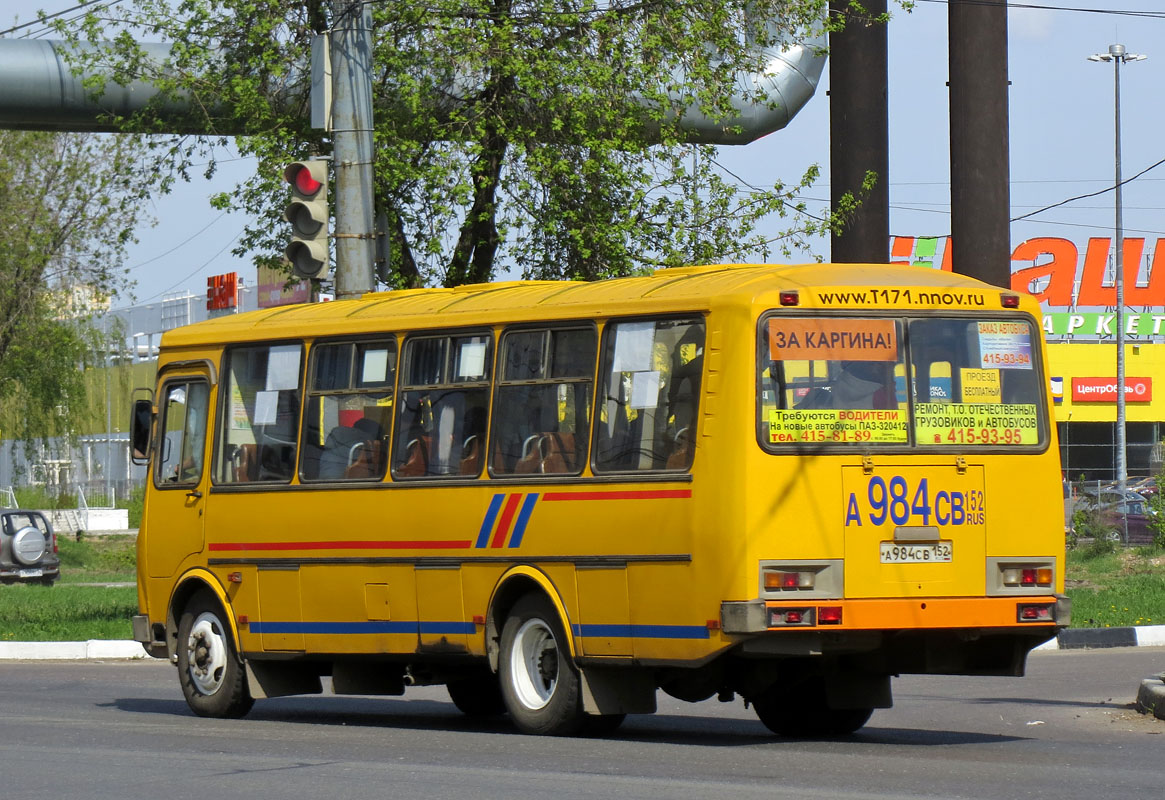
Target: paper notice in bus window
(375,367)
(1005,345)
(976,423)
(645,389)
(283,367)
(834,426)
(472,361)
(633,345)
(981,385)
(833,339)
(266,404)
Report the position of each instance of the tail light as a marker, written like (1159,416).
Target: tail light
(1028,576)
(1035,612)
(829,615)
(775,580)
(786,617)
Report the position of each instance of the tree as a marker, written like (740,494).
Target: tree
(541,137)
(68,210)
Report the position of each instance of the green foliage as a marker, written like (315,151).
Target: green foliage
(1116,589)
(67,213)
(83,604)
(39,497)
(33,613)
(509,134)
(1156,503)
(110,558)
(1096,528)
(135,504)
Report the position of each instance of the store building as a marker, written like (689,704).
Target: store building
(1077,291)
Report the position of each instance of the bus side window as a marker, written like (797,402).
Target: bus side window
(542,407)
(443,406)
(652,371)
(260,415)
(349,406)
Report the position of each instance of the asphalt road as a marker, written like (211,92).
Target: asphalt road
(121,730)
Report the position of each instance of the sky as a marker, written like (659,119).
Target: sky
(1061,121)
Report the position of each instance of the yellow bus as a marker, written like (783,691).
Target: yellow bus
(783,483)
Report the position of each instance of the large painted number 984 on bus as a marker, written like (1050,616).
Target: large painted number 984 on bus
(788,484)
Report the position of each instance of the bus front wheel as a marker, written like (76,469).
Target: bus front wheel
(209,669)
(540,683)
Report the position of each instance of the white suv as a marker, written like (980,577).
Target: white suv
(28,548)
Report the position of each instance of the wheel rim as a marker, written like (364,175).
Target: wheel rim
(534,664)
(206,653)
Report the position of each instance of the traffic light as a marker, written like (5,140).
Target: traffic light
(308,214)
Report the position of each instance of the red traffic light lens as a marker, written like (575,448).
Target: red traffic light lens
(305,184)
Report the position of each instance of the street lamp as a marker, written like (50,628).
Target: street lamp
(1117,55)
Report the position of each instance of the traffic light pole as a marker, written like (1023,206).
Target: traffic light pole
(354,233)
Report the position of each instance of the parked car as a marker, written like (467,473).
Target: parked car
(1144,486)
(28,548)
(1132,514)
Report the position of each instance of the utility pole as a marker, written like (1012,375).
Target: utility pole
(859,131)
(352,146)
(1117,55)
(980,176)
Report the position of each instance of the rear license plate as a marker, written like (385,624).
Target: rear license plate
(902,553)
(30,573)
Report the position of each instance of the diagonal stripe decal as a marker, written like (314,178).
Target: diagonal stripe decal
(523,518)
(516,508)
(487,524)
(503,529)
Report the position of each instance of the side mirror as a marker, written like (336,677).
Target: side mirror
(140,425)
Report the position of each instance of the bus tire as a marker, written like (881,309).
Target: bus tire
(804,713)
(209,669)
(602,724)
(477,696)
(539,681)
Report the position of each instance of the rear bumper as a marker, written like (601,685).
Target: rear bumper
(926,613)
(38,572)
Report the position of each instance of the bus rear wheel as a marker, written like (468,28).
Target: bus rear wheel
(539,681)
(209,669)
(805,712)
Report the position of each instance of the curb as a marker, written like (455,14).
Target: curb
(71,651)
(1095,638)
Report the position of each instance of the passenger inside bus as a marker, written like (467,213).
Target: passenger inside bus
(347,447)
(855,384)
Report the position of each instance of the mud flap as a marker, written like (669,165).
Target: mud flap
(857,690)
(279,680)
(607,690)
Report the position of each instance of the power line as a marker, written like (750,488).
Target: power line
(179,245)
(197,269)
(47,17)
(1090,194)
(1042,7)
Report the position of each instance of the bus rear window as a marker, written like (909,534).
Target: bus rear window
(838,380)
(975,382)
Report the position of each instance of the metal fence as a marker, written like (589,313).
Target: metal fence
(1098,509)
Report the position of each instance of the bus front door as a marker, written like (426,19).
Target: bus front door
(174,513)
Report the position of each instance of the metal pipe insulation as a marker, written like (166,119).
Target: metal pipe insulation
(39,91)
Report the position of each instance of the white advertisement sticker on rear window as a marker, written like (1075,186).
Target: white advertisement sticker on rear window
(1005,345)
